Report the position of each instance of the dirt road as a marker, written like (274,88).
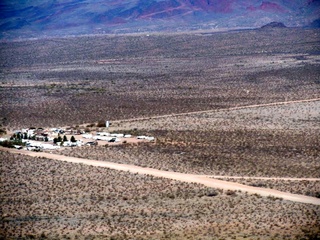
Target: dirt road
(219,110)
(208,111)
(265,178)
(205,180)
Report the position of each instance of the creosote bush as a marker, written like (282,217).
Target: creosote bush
(53,199)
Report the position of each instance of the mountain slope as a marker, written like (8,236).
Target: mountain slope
(35,18)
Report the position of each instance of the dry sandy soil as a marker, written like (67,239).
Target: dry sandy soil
(190,178)
(269,141)
(43,198)
(58,82)
(55,215)
(310,187)
(72,81)
(291,115)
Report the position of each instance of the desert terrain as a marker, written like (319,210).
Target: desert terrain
(240,106)
(44,198)
(70,81)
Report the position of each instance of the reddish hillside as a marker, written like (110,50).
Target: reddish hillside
(36,18)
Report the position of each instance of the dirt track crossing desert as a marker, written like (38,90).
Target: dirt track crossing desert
(176,176)
(234,119)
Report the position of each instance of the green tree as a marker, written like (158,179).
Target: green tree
(73,139)
(65,139)
(18,136)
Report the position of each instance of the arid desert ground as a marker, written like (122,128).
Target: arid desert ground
(237,106)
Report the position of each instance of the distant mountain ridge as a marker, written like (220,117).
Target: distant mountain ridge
(274,25)
(35,18)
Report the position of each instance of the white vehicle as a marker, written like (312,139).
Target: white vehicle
(146,138)
(118,135)
(49,146)
(96,137)
(67,144)
(87,136)
(106,138)
(36,149)
(99,138)
(79,143)
(141,137)
(34,144)
(103,133)
(102,138)
(150,138)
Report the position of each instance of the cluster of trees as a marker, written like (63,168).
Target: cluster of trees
(15,139)
(11,143)
(63,139)
(20,136)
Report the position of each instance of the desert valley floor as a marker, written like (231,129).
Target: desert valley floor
(240,109)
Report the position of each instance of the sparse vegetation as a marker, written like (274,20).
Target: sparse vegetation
(42,197)
(79,81)
(304,187)
(216,152)
(153,76)
(101,123)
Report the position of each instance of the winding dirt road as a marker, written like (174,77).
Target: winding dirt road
(201,179)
